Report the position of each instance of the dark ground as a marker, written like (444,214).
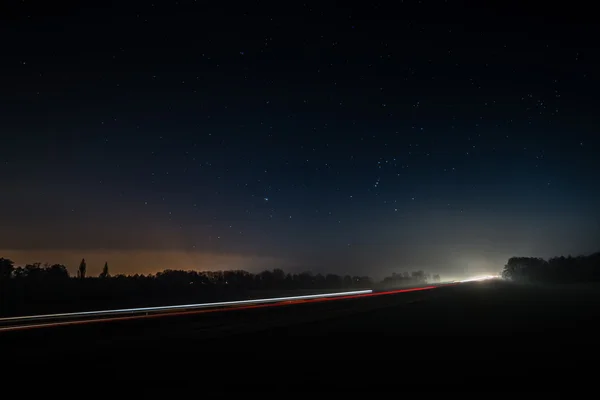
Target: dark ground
(490,336)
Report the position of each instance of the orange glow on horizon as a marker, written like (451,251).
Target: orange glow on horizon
(131,262)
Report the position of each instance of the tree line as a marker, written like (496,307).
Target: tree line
(554,270)
(276,278)
(268,279)
(39,288)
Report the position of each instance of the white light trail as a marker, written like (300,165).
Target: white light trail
(177,307)
(479,278)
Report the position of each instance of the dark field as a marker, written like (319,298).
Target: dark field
(486,336)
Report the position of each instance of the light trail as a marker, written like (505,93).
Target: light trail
(138,317)
(187,310)
(179,307)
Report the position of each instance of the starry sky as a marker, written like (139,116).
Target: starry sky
(443,136)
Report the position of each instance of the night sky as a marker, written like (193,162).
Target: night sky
(367,139)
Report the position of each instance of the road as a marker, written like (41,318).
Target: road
(46,321)
(429,339)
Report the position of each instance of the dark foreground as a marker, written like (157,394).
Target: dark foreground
(487,336)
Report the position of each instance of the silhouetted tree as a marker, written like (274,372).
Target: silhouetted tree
(419,276)
(34,271)
(19,273)
(104,273)
(6,269)
(56,272)
(557,270)
(278,276)
(399,280)
(82,269)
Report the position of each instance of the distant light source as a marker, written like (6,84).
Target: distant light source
(479,278)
